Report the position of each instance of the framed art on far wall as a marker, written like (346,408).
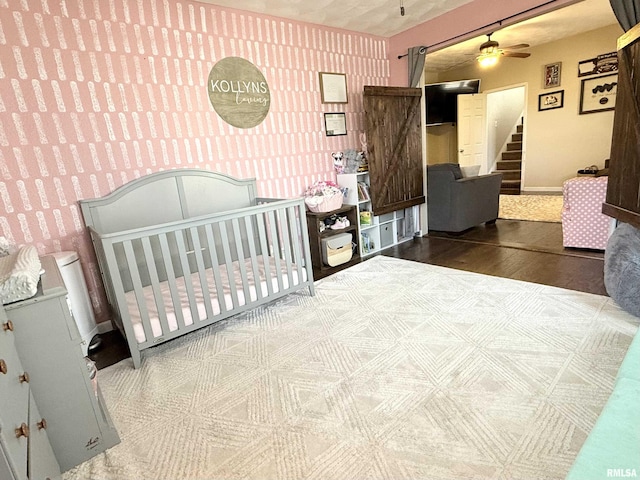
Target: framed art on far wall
(598,94)
(551,100)
(552,75)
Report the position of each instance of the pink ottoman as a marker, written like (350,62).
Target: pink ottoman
(583,223)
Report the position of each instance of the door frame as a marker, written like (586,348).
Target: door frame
(525,111)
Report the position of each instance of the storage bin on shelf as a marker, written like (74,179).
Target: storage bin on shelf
(323,196)
(324,203)
(336,249)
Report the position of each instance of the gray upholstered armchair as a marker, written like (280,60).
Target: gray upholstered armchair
(455,203)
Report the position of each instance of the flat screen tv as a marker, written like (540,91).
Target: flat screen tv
(442,100)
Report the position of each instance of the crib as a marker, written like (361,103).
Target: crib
(181,249)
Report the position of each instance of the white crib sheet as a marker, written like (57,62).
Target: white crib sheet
(152,308)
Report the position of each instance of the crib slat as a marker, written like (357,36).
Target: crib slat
(137,288)
(228,261)
(252,254)
(296,253)
(171,279)
(240,256)
(264,247)
(155,283)
(217,278)
(275,243)
(202,272)
(284,229)
(186,274)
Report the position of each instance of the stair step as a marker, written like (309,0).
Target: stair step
(510,187)
(520,128)
(512,146)
(510,174)
(513,155)
(509,164)
(516,137)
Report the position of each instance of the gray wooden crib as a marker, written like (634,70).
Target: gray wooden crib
(181,249)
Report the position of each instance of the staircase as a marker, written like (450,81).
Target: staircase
(511,165)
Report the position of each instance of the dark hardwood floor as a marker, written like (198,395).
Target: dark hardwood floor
(529,251)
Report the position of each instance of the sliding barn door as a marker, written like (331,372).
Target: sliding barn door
(623,188)
(392,119)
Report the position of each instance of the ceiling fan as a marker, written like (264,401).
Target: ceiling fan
(490,52)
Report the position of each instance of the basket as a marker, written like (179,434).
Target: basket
(323,203)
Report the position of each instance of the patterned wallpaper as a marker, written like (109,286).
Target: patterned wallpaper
(95,93)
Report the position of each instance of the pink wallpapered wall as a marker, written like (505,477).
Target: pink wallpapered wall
(95,93)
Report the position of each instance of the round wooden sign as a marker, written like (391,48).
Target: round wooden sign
(238,92)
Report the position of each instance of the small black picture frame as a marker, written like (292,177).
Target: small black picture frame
(335,124)
(551,100)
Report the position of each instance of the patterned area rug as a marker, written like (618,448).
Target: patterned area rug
(535,208)
(394,370)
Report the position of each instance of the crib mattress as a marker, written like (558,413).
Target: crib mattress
(166,298)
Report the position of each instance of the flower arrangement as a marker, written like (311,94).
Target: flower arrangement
(323,196)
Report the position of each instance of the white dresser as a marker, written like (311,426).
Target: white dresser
(25,451)
(49,346)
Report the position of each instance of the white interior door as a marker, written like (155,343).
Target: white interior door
(472,130)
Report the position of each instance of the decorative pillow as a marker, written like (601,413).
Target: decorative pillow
(446,167)
(470,171)
(19,274)
(622,267)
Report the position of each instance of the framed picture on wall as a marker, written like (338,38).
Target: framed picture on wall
(551,100)
(605,63)
(333,87)
(598,94)
(335,124)
(552,75)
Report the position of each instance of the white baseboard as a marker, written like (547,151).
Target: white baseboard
(542,189)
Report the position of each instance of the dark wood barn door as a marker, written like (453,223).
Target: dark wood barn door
(623,188)
(392,119)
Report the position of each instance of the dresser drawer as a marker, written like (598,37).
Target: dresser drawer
(14,402)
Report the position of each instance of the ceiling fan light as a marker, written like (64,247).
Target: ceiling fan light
(488,60)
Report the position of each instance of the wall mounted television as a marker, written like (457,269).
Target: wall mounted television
(442,99)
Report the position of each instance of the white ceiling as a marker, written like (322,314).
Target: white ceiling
(382,17)
(376,17)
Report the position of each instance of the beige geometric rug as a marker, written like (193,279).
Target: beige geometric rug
(535,208)
(394,370)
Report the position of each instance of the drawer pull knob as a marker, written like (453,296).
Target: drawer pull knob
(3,367)
(22,431)
(42,424)
(24,378)
(8,326)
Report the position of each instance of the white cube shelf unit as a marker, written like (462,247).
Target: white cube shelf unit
(376,232)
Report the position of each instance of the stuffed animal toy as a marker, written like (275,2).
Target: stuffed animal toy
(338,162)
(351,161)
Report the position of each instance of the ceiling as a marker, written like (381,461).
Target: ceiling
(382,17)
(375,17)
(565,22)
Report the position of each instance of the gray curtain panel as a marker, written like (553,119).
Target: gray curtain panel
(416,64)
(627,12)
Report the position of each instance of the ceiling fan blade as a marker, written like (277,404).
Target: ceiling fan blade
(516,47)
(516,54)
